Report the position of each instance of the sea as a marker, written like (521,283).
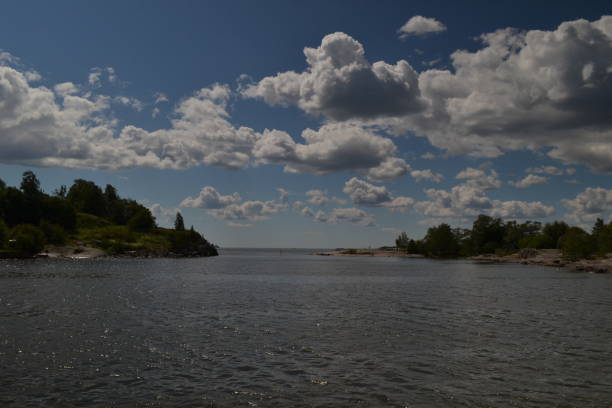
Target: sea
(287,328)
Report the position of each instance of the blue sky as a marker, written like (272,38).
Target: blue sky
(397,116)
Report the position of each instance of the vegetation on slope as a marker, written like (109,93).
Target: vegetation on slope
(86,215)
(494,236)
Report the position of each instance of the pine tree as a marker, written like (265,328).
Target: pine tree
(179,223)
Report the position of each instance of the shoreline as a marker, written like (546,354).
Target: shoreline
(541,257)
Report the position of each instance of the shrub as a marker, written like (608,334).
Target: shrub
(4,233)
(539,241)
(88,221)
(54,233)
(27,239)
(576,244)
(142,221)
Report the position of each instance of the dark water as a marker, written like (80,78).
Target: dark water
(252,328)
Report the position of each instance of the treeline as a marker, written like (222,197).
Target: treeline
(492,235)
(86,214)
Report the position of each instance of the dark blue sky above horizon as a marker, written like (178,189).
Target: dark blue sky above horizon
(179,48)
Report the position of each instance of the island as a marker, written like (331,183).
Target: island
(495,240)
(86,221)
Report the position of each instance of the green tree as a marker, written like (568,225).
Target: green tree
(142,221)
(555,230)
(58,211)
(87,197)
(4,233)
(487,234)
(402,241)
(179,223)
(30,184)
(61,191)
(441,242)
(54,234)
(576,244)
(26,239)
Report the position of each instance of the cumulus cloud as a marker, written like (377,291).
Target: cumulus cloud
(67,127)
(550,170)
(209,198)
(65,88)
(529,180)
(331,148)
(133,103)
(160,97)
(363,193)
(78,131)
(589,205)
(421,175)
(231,207)
(320,198)
(164,217)
(419,25)
(341,84)
(390,169)
(353,216)
(531,90)
(480,179)
(469,199)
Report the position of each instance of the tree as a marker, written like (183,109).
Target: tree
(4,232)
(87,197)
(441,242)
(179,223)
(142,221)
(30,184)
(576,244)
(402,241)
(555,230)
(27,240)
(487,234)
(60,192)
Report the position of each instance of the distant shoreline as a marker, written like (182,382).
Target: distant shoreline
(542,257)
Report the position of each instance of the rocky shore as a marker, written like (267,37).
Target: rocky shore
(543,257)
(379,252)
(551,257)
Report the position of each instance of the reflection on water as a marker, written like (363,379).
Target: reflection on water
(261,328)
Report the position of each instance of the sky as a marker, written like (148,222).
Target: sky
(315,124)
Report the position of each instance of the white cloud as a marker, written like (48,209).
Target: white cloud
(334,147)
(366,194)
(469,199)
(550,170)
(531,90)
(420,175)
(232,208)
(589,205)
(478,178)
(390,169)
(134,103)
(210,198)
(160,97)
(238,225)
(353,216)
(164,217)
(341,84)
(66,88)
(521,90)
(529,180)
(419,25)
(520,209)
